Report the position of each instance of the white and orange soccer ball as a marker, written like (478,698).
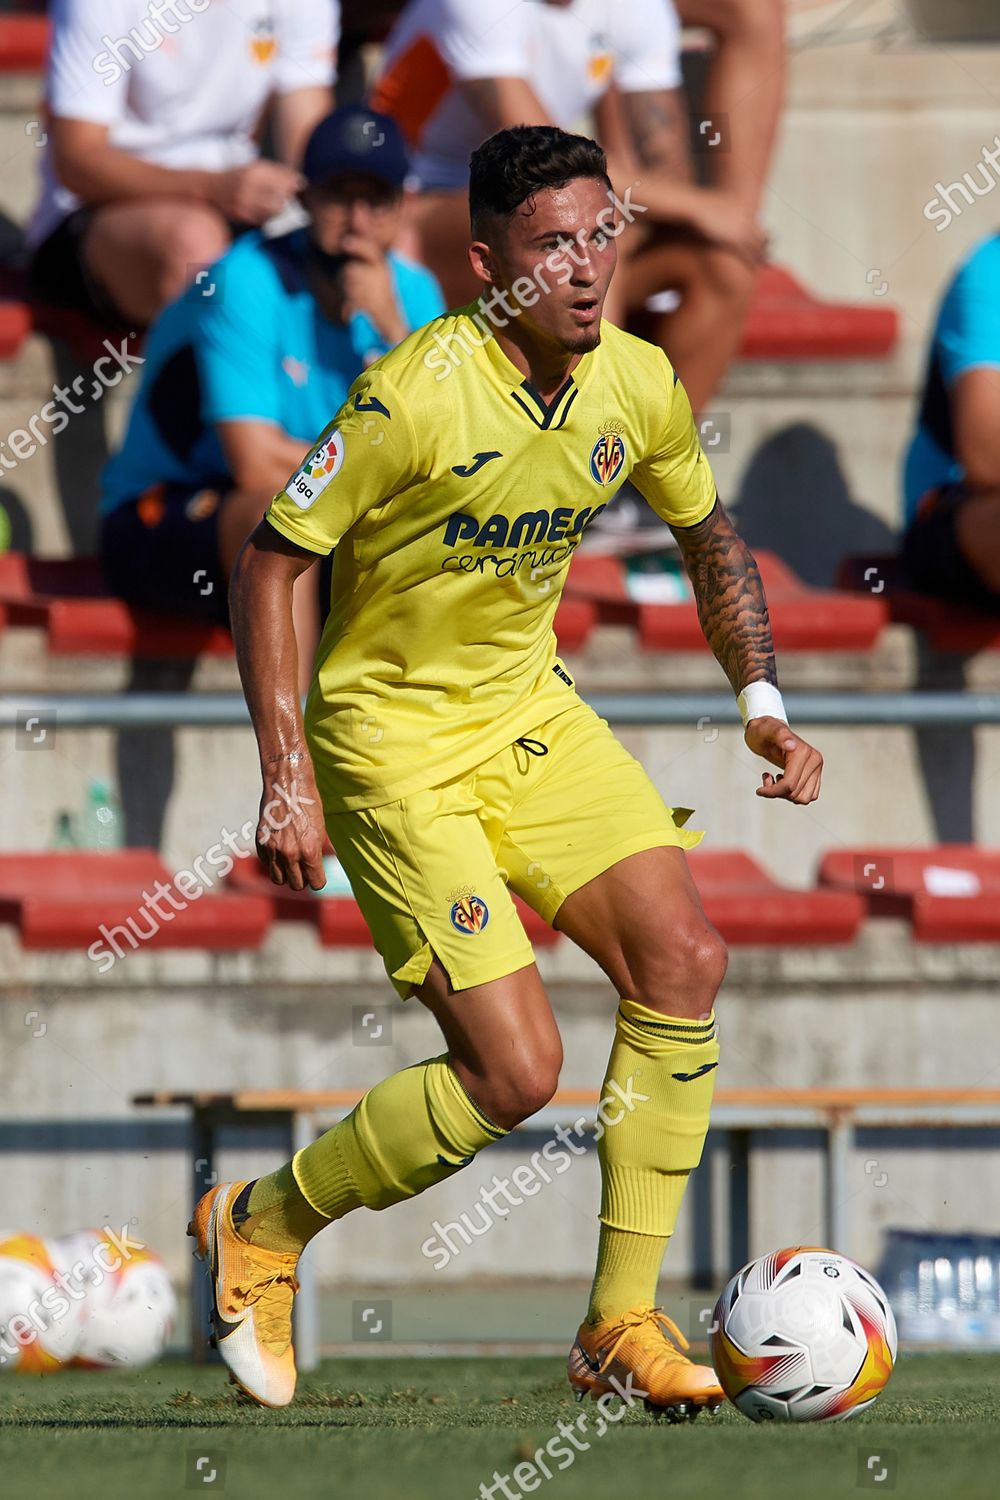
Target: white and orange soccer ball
(803,1335)
(39,1324)
(129,1308)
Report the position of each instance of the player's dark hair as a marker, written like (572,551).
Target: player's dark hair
(514,165)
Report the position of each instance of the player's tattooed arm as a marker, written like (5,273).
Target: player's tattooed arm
(657,124)
(730,598)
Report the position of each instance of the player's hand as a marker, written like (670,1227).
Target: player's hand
(801,766)
(726,221)
(255,193)
(290,831)
(366,286)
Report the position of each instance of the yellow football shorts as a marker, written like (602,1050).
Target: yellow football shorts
(433,872)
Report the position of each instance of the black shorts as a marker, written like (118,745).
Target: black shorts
(161,551)
(58,275)
(933,559)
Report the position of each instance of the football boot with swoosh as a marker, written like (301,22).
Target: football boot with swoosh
(252,1293)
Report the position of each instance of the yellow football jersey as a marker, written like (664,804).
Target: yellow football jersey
(455,497)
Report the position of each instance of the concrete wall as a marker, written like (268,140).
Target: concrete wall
(77,1047)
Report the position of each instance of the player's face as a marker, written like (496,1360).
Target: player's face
(563,242)
(353,206)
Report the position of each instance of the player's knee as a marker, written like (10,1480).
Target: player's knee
(683,974)
(523,1088)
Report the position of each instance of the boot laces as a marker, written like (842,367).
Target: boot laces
(654,1322)
(270,1296)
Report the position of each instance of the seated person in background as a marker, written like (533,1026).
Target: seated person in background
(246,368)
(152,160)
(455,71)
(952,472)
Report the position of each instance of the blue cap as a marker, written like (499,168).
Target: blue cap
(355,139)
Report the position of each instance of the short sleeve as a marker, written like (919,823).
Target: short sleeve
(675,477)
(477,42)
(308,34)
(969,330)
(365,456)
(236,359)
(86,79)
(647,46)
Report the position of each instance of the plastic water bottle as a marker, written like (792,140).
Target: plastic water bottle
(944,1288)
(101,820)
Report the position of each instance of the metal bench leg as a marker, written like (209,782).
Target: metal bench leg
(204,1176)
(306,1310)
(839,1138)
(739,1199)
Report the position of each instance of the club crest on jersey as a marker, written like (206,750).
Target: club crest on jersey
(607,458)
(469,913)
(322,465)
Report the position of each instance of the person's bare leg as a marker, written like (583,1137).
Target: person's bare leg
(502,1040)
(143,254)
(977,531)
(702,335)
(440,226)
(240,512)
(643,922)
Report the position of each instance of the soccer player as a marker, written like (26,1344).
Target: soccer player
(453,760)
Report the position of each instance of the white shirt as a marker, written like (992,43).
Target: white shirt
(568,53)
(181,83)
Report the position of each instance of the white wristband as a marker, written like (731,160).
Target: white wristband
(760,700)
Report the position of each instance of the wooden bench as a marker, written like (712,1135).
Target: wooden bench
(741,1113)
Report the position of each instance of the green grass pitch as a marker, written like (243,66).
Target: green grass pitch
(364,1429)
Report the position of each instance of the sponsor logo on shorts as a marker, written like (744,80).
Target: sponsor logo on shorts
(322,465)
(469,914)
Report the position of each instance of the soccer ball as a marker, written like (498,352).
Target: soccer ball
(128,1311)
(803,1335)
(39,1325)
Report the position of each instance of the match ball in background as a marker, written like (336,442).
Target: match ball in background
(803,1335)
(129,1311)
(39,1325)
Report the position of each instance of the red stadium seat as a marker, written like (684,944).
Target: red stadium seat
(947,626)
(338,920)
(751,909)
(62,899)
(786,321)
(802,618)
(24,43)
(950,892)
(575,619)
(15,327)
(66,597)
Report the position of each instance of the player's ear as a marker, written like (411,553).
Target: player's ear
(482,262)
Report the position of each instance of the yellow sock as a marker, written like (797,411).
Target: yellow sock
(408,1132)
(662,1069)
(274,1214)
